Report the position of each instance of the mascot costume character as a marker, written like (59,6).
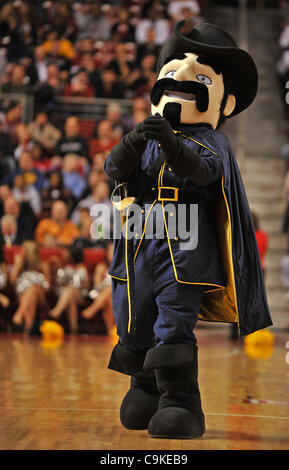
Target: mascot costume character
(177,157)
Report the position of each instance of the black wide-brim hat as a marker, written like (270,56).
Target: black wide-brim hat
(213,41)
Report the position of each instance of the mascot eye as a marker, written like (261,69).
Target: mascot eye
(204,79)
(170,74)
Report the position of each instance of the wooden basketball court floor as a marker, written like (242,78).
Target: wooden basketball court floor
(66,399)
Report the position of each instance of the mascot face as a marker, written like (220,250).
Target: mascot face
(190,89)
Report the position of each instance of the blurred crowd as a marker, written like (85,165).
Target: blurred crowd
(51,172)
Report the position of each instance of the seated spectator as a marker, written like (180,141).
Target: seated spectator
(42,162)
(27,168)
(45,93)
(66,48)
(123,30)
(79,86)
(114,116)
(153,16)
(5,193)
(72,281)
(10,119)
(85,239)
(71,178)
(101,293)
(10,235)
(140,110)
(71,142)
(18,81)
(26,220)
(7,160)
(54,56)
(4,299)
(87,63)
(97,161)
(31,278)
(44,132)
(90,21)
(54,191)
(105,140)
(100,194)
(23,192)
(122,63)
(149,46)
(176,9)
(38,70)
(109,86)
(58,229)
(24,140)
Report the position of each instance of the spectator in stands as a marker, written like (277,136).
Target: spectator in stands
(54,191)
(18,82)
(11,118)
(71,178)
(176,9)
(54,56)
(65,47)
(90,21)
(24,140)
(105,140)
(153,15)
(140,110)
(7,160)
(101,293)
(109,86)
(72,281)
(114,116)
(100,194)
(56,230)
(149,46)
(43,132)
(10,235)
(85,239)
(31,278)
(121,63)
(97,161)
(27,192)
(71,142)
(123,30)
(79,86)
(88,64)
(30,173)
(26,220)
(4,299)
(38,70)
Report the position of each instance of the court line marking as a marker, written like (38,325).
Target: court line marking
(117,411)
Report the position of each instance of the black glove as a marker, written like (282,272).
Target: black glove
(158,128)
(127,153)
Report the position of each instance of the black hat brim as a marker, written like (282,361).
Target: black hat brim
(235,63)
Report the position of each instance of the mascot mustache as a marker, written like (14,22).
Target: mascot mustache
(187,90)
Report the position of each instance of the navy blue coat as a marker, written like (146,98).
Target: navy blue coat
(226,258)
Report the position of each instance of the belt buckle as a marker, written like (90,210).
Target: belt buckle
(173,198)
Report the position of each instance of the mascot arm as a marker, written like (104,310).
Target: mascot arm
(127,153)
(184,161)
(201,170)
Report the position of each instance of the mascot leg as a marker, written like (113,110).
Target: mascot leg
(142,399)
(180,414)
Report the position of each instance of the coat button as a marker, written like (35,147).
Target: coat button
(176,238)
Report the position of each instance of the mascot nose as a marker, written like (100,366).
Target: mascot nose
(184,73)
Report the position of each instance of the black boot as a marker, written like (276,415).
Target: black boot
(180,414)
(142,399)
